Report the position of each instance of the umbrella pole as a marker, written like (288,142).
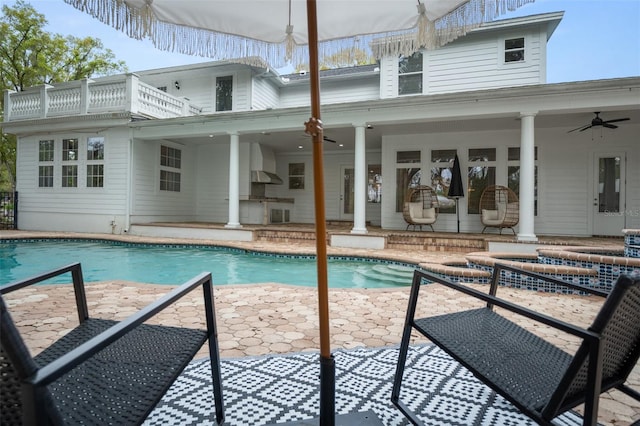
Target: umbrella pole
(314,127)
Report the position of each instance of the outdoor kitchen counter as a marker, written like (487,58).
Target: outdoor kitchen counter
(265,210)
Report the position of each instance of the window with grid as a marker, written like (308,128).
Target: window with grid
(70,149)
(224,93)
(513,174)
(70,176)
(441,174)
(95,175)
(296,175)
(45,167)
(69,163)
(95,162)
(481,174)
(170,164)
(514,50)
(408,175)
(410,74)
(374,183)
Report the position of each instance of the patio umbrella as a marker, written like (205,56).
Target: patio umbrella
(277,32)
(456,190)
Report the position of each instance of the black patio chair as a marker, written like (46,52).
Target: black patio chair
(103,371)
(537,377)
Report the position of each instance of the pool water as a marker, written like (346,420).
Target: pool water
(168,264)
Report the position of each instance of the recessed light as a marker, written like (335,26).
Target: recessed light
(340,144)
(300,147)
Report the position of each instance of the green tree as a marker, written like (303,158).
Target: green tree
(30,56)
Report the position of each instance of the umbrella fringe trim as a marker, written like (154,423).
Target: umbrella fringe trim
(141,24)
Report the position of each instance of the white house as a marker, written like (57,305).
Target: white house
(224,143)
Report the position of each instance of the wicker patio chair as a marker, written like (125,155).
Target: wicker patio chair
(420,207)
(103,371)
(499,208)
(537,377)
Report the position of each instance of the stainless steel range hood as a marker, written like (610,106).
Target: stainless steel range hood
(263,165)
(260,176)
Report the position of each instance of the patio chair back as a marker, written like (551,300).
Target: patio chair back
(16,365)
(499,207)
(420,207)
(619,328)
(102,371)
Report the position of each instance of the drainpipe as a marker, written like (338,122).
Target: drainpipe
(129,189)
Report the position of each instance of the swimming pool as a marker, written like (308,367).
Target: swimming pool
(104,260)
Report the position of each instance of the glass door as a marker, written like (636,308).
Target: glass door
(609,194)
(346,193)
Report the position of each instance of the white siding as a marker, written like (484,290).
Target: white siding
(242,90)
(477,63)
(474,62)
(332,92)
(199,85)
(265,94)
(73,209)
(149,203)
(212,201)
(388,78)
(633,178)
(302,210)
(563,187)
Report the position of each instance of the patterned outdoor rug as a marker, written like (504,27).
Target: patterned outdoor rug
(283,388)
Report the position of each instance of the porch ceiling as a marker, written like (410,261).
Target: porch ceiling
(291,140)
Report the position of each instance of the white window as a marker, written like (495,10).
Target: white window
(408,175)
(95,162)
(296,175)
(513,173)
(70,156)
(170,164)
(410,74)
(441,174)
(224,93)
(481,174)
(514,50)
(79,162)
(45,166)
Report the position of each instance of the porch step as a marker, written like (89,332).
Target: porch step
(431,242)
(291,236)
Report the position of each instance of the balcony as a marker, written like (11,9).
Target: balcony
(122,93)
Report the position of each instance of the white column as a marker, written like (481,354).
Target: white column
(527,177)
(234,181)
(360,184)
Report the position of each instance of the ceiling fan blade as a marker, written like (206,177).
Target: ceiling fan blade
(609,126)
(581,128)
(586,127)
(326,139)
(615,120)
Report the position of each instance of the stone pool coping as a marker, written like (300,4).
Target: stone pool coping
(589,254)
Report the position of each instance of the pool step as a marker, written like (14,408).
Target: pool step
(390,273)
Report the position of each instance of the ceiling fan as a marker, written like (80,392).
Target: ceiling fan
(597,121)
(324,138)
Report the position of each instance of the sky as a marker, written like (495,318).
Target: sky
(596,39)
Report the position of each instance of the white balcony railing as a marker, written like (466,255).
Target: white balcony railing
(123,93)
